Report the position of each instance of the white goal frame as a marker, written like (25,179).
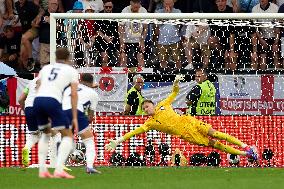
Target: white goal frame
(153,16)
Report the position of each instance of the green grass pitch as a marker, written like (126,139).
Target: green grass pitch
(135,178)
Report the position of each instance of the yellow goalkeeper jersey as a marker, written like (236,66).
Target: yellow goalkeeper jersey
(168,121)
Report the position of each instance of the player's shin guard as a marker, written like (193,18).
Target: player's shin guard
(63,152)
(228,149)
(228,138)
(54,141)
(43,151)
(90,151)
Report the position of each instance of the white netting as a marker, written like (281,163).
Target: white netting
(89,35)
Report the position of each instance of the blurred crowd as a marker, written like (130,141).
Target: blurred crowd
(25,35)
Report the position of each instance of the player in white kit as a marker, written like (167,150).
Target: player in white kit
(87,102)
(26,101)
(54,79)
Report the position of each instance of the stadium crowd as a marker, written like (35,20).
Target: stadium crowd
(25,35)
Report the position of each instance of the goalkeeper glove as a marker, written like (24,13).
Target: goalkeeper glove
(111,145)
(179,77)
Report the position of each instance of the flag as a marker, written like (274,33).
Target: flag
(16,86)
(251,94)
(111,87)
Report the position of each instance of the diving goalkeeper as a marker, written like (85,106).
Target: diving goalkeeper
(165,119)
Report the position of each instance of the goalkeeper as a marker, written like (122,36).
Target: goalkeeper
(165,119)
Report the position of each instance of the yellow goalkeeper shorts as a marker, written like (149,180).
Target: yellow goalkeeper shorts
(197,133)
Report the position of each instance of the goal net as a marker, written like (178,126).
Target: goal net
(87,36)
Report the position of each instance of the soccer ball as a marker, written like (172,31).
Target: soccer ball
(77,156)
(233,159)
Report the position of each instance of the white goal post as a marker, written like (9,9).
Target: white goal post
(151,17)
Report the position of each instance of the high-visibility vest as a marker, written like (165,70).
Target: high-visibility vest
(139,110)
(206,104)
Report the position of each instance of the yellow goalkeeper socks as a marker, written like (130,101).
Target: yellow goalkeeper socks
(228,138)
(228,149)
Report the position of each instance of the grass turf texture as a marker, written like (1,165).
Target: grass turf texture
(169,177)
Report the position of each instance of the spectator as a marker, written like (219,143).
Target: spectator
(81,32)
(132,37)
(29,40)
(149,53)
(44,32)
(221,7)
(30,43)
(107,41)
(27,12)
(11,41)
(169,38)
(71,28)
(88,35)
(96,5)
(201,99)
(77,7)
(109,7)
(246,6)
(220,35)
(196,37)
(269,38)
(9,14)
(44,5)
(134,98)
(243,43)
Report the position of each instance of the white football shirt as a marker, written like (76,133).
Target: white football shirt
(31,94)
(55,78)
(87,99)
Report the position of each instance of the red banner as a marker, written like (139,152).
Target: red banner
(263,131)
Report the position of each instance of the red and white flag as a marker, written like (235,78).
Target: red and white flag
(251,94)
(112,85)
(16,87)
